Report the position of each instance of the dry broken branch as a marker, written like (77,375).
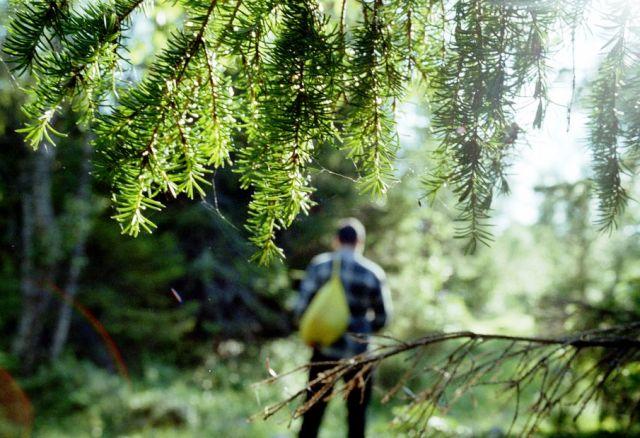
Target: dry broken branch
(568,372)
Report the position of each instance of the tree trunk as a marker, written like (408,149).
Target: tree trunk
(82,225)
(27,288)
(40,254)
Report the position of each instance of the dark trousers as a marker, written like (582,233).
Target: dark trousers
(357,401)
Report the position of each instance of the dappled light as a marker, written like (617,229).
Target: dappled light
(279,218)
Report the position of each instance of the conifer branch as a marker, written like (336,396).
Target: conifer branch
(282,79)
(159,105)
(473,113)
(606,128)
(299,112)
(371,140)
(31,25)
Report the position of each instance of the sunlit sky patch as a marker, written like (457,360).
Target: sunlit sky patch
(556,152)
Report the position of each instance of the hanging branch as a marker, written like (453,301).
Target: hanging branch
(32,31)
(460,90)
(162,107)
(77,64)
(605,128)
(631,120)
(491,58)
(236,72)
(371,140)
(294,114)
(575,18)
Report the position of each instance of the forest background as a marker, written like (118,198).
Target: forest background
(170,332)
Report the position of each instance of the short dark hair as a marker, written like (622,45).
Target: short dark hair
(350,231)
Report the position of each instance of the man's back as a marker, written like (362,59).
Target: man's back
(365,286)
(367,294)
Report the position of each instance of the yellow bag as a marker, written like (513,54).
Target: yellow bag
(327,316)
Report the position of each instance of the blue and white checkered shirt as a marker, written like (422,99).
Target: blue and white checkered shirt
(367,293)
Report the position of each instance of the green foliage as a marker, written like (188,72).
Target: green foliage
(127,285)
(606,124)
(146,151)
(74,398)
(553,276)
(294,111)
(497,49)
(374,85)
(71,55)
(271,83)
(130,292)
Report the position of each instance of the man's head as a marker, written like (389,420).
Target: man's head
(350,234)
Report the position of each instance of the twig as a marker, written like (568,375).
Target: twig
(541,361)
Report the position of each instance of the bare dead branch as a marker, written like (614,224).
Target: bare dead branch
(558,368)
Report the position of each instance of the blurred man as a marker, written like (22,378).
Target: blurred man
(367,294)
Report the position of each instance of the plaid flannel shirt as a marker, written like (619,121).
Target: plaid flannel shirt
(367,294)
